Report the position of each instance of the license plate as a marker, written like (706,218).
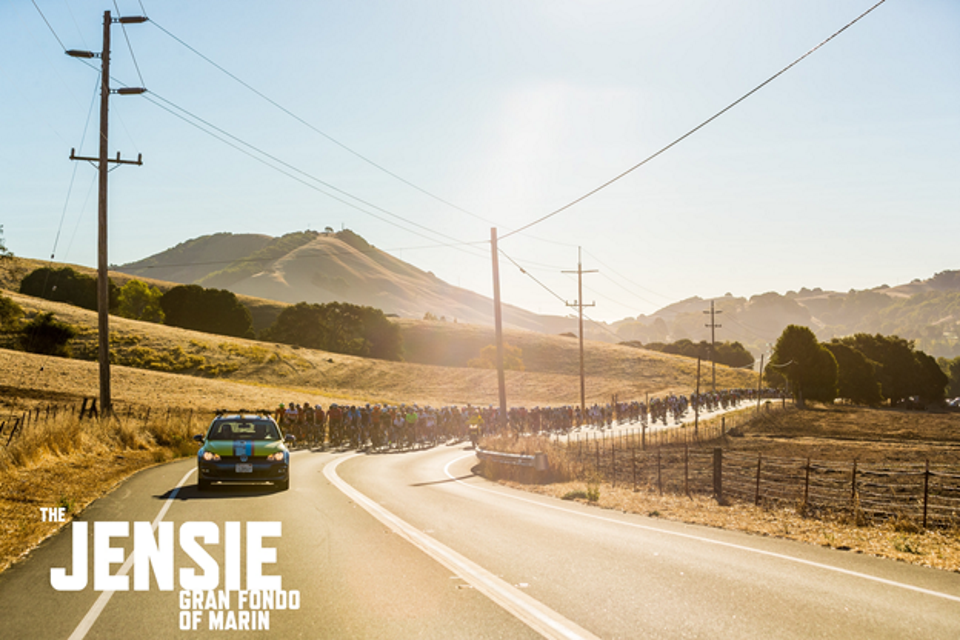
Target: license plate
(244,468)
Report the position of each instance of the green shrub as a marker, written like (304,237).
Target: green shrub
(47,336)
(10,313)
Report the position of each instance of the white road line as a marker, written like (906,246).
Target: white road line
(531,612)
(88,620)
(689,536)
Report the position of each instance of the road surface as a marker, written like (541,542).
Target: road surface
(414,545)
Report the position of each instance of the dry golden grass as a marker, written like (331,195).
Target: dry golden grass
(298,374)
(66,462)
(836,433)
(939,549)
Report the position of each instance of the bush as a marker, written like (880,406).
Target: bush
(139,301)
(208,310)
(47,336)
(10,313)
(340,327)
(66,285)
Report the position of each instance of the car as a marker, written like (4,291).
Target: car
(243,448)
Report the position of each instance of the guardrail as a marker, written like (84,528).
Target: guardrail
(537,461)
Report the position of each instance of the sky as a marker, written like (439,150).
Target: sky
(423,124)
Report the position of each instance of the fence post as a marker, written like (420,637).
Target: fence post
(718,474)
(756,495)
(686,470)
(597,443)
(853,484)
(634,465)
(659,476)
(613,461)
(926,491)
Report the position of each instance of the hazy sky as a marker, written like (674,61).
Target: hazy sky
(842,173)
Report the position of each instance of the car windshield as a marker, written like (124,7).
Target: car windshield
(243,430)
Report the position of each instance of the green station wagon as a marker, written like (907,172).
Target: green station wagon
(243,448)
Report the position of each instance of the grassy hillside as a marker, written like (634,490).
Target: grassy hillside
(271,373)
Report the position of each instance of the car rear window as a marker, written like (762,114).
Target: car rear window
(243,430)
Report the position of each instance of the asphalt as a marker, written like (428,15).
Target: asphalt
(423,548)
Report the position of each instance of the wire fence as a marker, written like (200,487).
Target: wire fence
(927,494)
(16,423)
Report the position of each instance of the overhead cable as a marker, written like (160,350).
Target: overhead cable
(694,130)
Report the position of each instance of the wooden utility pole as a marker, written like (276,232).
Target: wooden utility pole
(103,281)
(579,304)
(713,342)
(696,406)
(498,322)
(760,382)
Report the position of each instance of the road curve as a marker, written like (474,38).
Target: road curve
(529,565)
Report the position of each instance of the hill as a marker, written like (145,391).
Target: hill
(317,267)
(925,311)
(270,373)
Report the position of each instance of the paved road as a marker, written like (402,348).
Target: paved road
(414,545)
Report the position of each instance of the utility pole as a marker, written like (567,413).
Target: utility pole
(579,304)
(760,382)
(713,342)
(498,323)
(103,290)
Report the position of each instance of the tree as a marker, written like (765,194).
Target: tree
(951,368)
(339,327)
(931,380)
(902,371)
(4,252)
(66,285)
(10,313)
(210,310)
(896,364)
(47,336)
(857,379)
(734,354)
(512,358)
(807,365)
(139,301)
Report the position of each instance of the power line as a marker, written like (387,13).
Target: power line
(253,151)
(133,56)
(49,26)
(323,133)
(695,129)
(73,175)
(612,270)
(337,142)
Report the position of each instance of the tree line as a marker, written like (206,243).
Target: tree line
(863,368)
(732,354)
(335,326)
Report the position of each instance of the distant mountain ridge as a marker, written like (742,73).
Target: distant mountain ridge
(925,311)
(315,266)
(319,267)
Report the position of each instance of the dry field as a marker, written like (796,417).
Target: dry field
(834,433)
(284,373)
